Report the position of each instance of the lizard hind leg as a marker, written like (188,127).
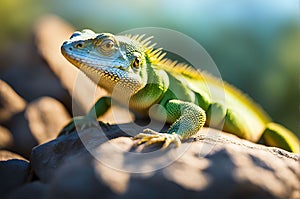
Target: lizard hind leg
(278,136)
(187,119)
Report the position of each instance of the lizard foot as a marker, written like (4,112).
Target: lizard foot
(150,137)
(80,123)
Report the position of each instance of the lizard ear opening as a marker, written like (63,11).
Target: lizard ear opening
(137,60)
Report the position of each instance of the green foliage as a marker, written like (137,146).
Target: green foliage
(16,19)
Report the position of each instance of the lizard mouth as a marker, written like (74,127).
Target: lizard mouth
(120,68)
(78,62)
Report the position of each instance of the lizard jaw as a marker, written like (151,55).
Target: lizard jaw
(104,73)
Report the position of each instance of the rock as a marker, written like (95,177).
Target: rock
(22,136)
(46,117)
(35,190)
(40,157)
(7,155)
(61,149)
(213,165)
(41,121)
(85,184)
(10,102)
(14,173)
(29,74)
(6,139)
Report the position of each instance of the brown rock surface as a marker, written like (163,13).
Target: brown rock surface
(6,139)
(46,117)
(220,165)
(10,102)
(40,122)
(7,155)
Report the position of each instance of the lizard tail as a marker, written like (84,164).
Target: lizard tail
(278,136)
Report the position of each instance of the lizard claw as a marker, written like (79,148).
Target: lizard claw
(151,137)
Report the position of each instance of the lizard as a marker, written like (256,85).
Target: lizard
(140,76)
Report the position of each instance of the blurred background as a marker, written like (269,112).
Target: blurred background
(254,43)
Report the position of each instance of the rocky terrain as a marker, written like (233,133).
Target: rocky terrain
(101,162)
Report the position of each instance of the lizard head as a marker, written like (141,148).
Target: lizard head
(109,60)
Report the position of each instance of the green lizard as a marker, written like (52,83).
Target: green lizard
(139,76)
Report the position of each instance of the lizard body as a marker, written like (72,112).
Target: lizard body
(141,77)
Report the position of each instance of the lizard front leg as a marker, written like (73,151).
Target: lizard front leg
(187,119)
(99,108)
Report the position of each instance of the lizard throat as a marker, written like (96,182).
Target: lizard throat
(112,79)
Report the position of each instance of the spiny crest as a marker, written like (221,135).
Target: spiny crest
(156,56)
(139,38)
(180,68)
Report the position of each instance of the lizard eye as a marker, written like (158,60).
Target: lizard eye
(107,45)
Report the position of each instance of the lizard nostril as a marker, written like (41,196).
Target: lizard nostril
(70,48)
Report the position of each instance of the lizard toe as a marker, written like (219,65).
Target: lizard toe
(153,137)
